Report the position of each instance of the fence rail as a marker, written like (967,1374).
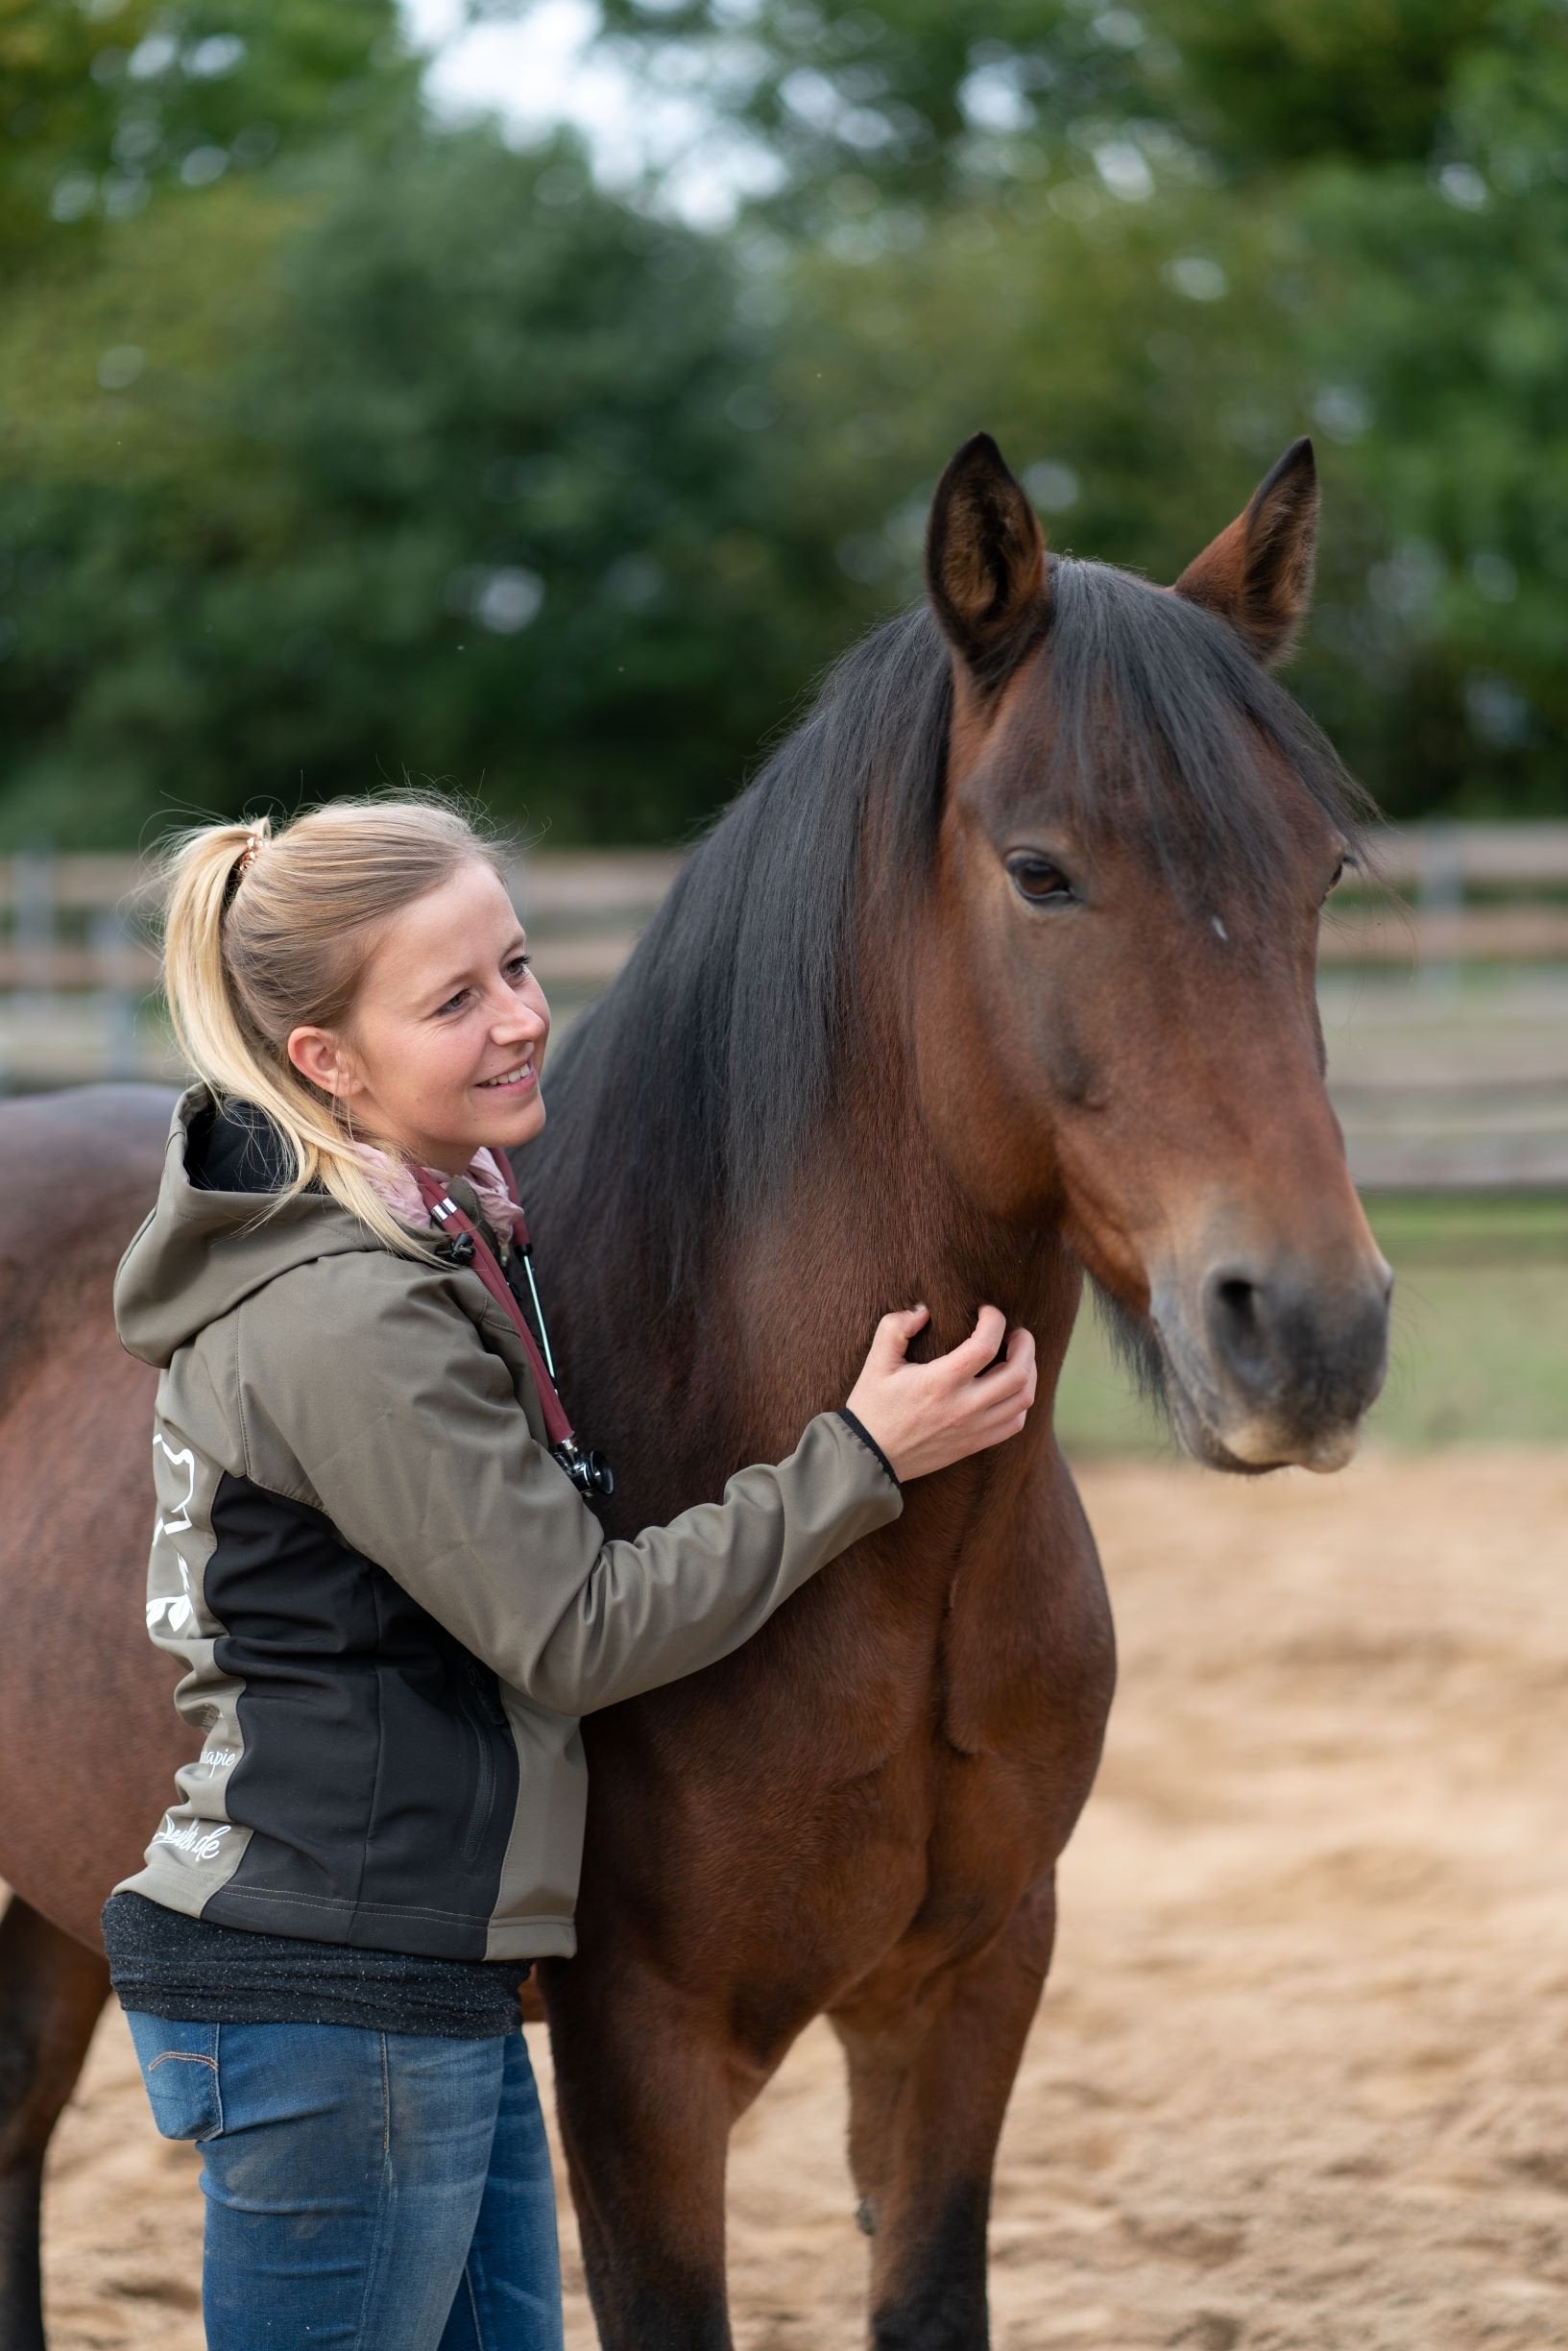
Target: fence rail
(1510,855)
(1449,1050)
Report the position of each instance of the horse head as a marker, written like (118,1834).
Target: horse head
(1116,1028)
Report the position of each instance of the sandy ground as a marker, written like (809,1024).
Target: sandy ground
(1300,2078)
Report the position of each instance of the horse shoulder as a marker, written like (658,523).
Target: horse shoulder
(1028,1654)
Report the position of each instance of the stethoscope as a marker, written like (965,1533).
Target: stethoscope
(586,1466)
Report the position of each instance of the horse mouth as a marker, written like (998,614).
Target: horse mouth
(1299,1401)
(1310,1423)
(1257,1444)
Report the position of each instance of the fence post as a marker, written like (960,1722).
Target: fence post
(115,1006)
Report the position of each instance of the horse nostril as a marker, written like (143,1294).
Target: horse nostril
(1238,1321)
(1278,1342)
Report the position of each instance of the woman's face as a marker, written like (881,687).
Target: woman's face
(447,1005)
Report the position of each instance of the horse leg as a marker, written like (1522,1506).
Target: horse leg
(929,2078)
(50,1991)
(645,2102)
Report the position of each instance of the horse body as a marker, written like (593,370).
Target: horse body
(859,1812)
(88,1734)
(911,1749)
(85,1733)
(861,1057)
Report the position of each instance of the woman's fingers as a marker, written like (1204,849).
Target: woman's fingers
(927,1414)
(894,1334)
(969,1359)
(992,1395)
(1028,1369)
(1017,1368)
(972,1354)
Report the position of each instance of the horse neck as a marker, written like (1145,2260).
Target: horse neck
(875,1221)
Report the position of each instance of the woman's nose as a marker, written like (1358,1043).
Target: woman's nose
(521,1020)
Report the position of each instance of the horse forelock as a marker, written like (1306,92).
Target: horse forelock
(1167,734)
(686,1100)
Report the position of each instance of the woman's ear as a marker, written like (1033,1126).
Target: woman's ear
(1258,574)
(316,1055)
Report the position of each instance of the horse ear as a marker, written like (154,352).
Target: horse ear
(985,560)
(1258,574)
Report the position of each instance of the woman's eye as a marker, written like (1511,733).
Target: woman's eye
(1037,880)
(518,964)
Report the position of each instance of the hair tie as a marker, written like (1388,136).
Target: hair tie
(254,838)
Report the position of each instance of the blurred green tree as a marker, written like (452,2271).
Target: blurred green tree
(932,102)
(101,105)
(335,445)
(1146,246)
(443,462)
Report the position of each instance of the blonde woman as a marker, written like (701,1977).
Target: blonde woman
(377,1564)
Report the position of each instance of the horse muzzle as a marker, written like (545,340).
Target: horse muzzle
(1273,1362)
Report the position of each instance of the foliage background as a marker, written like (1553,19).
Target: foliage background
(338,443)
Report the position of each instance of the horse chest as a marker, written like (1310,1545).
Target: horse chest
(889,1768)
(1024,1672)
(999,1734)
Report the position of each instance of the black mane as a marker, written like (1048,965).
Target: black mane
(685,1097)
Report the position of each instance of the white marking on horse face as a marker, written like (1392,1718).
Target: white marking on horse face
(1220,929)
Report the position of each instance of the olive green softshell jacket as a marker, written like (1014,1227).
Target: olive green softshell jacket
(390,1603)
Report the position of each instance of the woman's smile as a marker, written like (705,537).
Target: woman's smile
(515,1081)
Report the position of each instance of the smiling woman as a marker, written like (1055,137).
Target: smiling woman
(439,1064)
(374,1561)
(292,987)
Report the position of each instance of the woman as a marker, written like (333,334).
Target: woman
(390,1597)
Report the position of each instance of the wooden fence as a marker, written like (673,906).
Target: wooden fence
(1440,895)
(1445,986)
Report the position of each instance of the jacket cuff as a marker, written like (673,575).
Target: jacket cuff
(867,1438)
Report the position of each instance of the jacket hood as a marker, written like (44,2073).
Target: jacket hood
(192,1258)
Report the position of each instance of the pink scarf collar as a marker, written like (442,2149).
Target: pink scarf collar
(401,1194)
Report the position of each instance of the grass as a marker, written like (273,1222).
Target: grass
(1480,1349)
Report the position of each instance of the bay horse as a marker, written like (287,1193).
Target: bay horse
(1000,974)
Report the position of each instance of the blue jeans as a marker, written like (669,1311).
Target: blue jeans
(365,2190)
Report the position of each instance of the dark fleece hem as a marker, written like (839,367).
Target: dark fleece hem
(867,1438)
(192,1971)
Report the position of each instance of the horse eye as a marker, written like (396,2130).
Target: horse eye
(1037,880)
(1338,877)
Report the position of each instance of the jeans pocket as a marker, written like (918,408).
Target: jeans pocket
(180,2066)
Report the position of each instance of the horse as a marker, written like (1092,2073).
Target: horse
(998,979)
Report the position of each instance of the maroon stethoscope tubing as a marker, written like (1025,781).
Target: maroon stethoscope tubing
(448,1215)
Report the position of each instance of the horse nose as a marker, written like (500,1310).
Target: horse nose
(1284,1341)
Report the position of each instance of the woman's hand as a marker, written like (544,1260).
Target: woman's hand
(925,1415)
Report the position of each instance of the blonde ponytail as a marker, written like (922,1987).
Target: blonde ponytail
(265,932)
